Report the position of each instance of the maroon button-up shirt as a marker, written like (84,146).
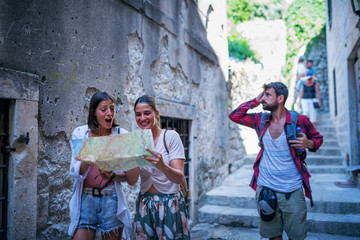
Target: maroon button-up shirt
(252,120)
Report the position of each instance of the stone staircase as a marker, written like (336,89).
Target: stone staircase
(229,211)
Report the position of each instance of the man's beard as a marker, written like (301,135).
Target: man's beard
(271,107)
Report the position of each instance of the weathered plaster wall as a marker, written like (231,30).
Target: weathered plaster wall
(174,50)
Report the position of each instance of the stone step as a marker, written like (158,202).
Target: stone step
(328,136)
(206,231)
(324,118)
(324,160)
(340,224)
(314,169)
(325,128)
(244,197)
(327,196)
(327,150)
(249,159)
(321,116)
(324,122)
(330,143)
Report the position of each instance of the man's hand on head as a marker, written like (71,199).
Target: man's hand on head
(258,98)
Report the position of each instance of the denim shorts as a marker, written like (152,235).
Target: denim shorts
(99,212)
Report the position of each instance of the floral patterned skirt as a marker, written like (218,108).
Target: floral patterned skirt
(161,216)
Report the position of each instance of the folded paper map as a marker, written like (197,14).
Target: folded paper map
(116,152)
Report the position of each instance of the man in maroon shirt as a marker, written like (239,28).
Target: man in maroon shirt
(291,208)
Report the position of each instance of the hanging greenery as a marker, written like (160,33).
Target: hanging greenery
(245,10)
(305,19)
(240,10)
(240,49)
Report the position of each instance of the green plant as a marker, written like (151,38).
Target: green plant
(245,10)
(240,49)
(305,20)
(240,10)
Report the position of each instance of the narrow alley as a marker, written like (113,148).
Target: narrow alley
(230,211)
(198,60)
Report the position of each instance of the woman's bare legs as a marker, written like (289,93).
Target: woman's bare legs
(113,235)
(84,234)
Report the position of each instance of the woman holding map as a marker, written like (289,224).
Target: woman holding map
(160,207)
(98,202)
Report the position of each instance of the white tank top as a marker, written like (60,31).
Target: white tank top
(277,169)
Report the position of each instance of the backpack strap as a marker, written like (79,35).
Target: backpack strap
(262,124)
(291,134)
(263,119)
(291,128)
(167,150)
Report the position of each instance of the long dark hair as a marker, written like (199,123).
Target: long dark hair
(148,100)
(94,102)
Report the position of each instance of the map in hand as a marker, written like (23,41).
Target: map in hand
(116,152)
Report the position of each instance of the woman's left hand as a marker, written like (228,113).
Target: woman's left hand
(156,159)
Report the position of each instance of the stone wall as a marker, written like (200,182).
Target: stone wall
(176,52)
(342,36)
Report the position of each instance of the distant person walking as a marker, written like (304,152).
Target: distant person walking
(310,98)
(301,68)
(279,169)
(304,70)
(311,70)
